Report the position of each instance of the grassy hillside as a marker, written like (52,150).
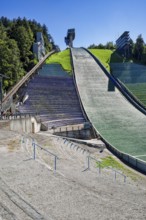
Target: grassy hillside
(62,58)
(106,57)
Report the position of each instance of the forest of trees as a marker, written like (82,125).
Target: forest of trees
(137,50)
(16,40)
(109,45)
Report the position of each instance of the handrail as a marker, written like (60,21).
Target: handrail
(23,80)
(34,145)
(100,166)
(116,171)
(34,154)
(46,150)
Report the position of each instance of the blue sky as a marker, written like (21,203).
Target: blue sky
(95,21)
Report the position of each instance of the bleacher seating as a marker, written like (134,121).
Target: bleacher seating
(52,95)
(133,76)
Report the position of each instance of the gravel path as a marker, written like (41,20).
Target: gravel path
(29,189)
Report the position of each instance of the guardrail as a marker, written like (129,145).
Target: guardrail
(35,145)
(17,116)
(89,158)
(47,151)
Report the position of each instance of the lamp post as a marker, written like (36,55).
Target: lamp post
(1,93)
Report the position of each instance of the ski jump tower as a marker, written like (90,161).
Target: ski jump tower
(70,37)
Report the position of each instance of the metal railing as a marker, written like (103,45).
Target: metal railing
(17,116)
(47,151)
(89,158)
(116,172)
(34,146)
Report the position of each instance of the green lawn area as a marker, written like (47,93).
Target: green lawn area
(62,58)
(106,57)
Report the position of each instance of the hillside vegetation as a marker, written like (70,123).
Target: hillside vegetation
(62,58)
(106,57)
(16,40)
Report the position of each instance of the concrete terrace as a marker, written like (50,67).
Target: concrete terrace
(29,188)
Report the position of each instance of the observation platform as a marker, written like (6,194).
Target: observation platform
(70,37)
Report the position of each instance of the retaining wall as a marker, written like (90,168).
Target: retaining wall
(27,124)
(135,163)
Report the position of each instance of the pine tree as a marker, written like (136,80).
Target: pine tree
(139,47)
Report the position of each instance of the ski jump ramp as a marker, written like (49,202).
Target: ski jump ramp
(119,123)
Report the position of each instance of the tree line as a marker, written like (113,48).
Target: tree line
(16,42)
(137,50)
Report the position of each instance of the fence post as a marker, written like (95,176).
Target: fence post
(34,150)
(88,162)
(55,163)
(22,141)
(99,167)
(115,175)
(26,142)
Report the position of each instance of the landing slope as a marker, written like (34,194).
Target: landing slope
(120,123)
(133,76)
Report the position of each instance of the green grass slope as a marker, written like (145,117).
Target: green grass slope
(106,57)
(62,58)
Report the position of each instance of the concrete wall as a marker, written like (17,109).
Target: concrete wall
(128,159)
(28,125)
(74,132)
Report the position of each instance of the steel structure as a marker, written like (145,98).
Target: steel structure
(70,37)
